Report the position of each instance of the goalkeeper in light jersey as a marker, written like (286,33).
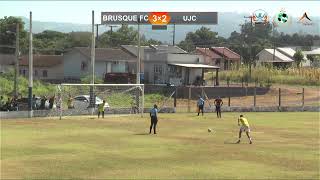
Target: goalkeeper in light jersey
(244,127)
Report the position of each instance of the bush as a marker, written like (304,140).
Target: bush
(39,88)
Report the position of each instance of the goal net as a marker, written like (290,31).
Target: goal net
(84,99)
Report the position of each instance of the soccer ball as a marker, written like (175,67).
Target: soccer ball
(209,130)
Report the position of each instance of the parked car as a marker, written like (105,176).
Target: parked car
(82,102)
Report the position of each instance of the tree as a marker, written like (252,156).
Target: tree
(50,42)
(124,35)
(203,37)
(298,57)
(79,39)
(8,24)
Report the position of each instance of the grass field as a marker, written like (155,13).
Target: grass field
(286,146)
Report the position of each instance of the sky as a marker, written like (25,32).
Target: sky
(80,11)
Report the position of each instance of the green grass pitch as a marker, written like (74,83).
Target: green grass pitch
(285,146)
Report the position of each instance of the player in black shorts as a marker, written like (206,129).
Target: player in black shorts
(218,103)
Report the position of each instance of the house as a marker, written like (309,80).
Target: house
(223,57)
(170,64)
(308,62)
(77,62)
(7,61)
(279,57)
(274,57)
(45,67)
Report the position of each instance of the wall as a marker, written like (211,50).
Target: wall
(48,113)
(194,72)
(185,58)
(55,72)
(72,65)
(183,91)
(5,68)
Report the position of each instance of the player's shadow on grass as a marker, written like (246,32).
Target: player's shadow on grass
(141,134)
(230,142)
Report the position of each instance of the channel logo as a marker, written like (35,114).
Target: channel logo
(282,18)
(305,20)
(260,17)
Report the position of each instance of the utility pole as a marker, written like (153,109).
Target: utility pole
(30,68)
(250,45)
(92,50)
(174,34)
(274,44)
(92,96)
(97,35)
(111,28)
(139,54)
(16,70)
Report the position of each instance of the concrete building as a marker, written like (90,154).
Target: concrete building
(77,62)
(74,64)
(45,67)
(7,62)
(170,64)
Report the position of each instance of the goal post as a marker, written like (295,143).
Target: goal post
(84,99)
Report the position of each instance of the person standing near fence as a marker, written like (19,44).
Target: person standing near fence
(101,109)
(2,103)
(154,119)
(200,105)
(218,103)
(51,101)
(70,102)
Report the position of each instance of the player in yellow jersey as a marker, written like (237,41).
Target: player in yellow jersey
(244,127)
(101,109)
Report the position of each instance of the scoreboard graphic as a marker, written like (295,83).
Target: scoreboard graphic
(159,18)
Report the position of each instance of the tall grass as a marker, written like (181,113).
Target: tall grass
(39,88)
(268,76)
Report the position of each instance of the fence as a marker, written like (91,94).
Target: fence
(184,99)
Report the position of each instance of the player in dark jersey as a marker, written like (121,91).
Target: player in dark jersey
(218,103)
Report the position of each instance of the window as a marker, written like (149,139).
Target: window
(119,67)
(24,72)
(45,73)
(157,69)
(35,73)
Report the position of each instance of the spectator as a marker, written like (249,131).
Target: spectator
(8,105)
(70,102)
(51,101)
(2,103)
(34,102)
(43,103)
(14,103)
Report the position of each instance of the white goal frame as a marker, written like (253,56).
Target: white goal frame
(141,86)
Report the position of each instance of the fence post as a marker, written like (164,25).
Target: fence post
(189,99)
(279,97)
(255,96)
(228,82)
(175,99)
(302,97)
(242,82)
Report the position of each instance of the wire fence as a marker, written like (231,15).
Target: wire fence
(184,99)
